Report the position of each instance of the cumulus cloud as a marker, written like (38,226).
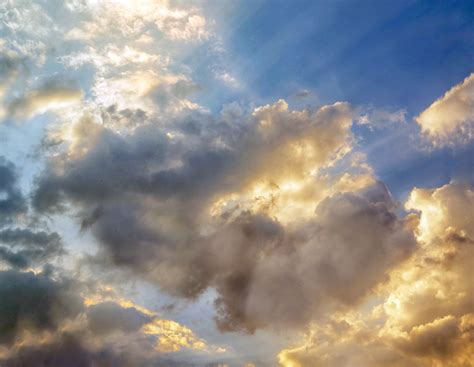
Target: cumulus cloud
(450,119)
(271,209)
(36,302)
(444,211)
(241,205)
(45,318)
(426,314)
(330,262)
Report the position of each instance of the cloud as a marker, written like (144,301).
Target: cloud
(377,118)
(24,247)
(269,209)
(45,318)
(34,302)
(437,337)
(424,315)
(303,93)
(10,67)
(450,119)
(107,317)
(48,97)
(186,24)
(332,262)
(444,211)
(67,351)
(212,202)
(12,202)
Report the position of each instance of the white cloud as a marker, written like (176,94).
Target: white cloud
(450,119)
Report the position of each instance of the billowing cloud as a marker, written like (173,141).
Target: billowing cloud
(426,314)
(267,219)
(35,302)
(450,119)
(241,204)
(45,318)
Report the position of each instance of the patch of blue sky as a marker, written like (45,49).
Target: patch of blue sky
(395,55)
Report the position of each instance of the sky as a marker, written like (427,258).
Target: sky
(236,183)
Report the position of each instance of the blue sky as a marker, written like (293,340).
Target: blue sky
(236,183)
(393,55)
(400,54)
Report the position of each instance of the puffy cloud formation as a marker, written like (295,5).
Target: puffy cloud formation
(267,217)
(450,119)
(46,319)
(36,302)
(330,262)
(245,204)
(426,316)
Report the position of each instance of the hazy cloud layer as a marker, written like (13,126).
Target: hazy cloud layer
(48,97)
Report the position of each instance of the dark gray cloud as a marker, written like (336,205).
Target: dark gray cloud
(12,258)
(12,202)
(46,321)
(35,302)
(23,247)
(69,350)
